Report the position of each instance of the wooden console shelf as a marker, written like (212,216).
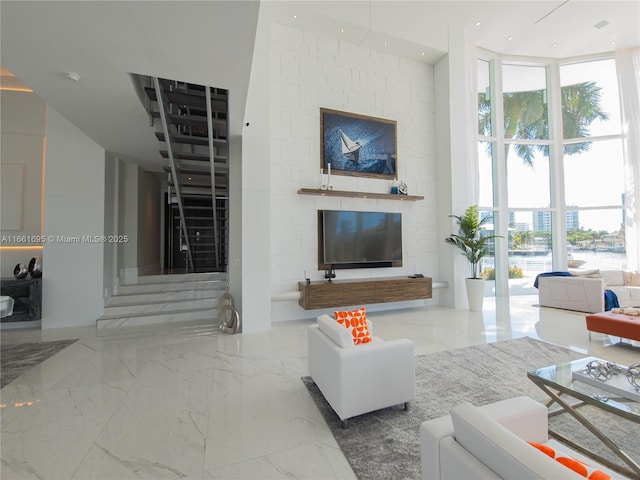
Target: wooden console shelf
(341,293)
(345,193)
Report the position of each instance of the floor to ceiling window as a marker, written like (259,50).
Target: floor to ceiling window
(551,167)
(594,178)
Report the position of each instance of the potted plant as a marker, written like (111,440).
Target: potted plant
(474,248)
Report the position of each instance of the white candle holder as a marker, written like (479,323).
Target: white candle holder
(322,186)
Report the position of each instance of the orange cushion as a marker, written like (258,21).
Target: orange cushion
(577,466)
(356,322)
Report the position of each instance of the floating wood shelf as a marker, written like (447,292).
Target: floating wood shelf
(340,293)
(345,193)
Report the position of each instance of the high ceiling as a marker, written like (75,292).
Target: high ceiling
(211,43)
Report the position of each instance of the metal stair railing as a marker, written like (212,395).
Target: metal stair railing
(213,176)
(176,183)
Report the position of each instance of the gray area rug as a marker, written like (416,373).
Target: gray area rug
(386,444)
(17,359)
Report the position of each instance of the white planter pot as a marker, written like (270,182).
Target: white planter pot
(475,293)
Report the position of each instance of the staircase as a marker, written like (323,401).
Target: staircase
(164,299)
(191,126)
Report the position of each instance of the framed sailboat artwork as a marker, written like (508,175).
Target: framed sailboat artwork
(358,145)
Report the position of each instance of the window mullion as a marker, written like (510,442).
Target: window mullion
(501,216)
(556,165)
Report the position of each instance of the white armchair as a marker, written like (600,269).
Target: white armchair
(357,379)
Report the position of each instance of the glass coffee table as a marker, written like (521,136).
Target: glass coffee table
(559,383)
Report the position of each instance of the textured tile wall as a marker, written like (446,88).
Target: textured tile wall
(309,72)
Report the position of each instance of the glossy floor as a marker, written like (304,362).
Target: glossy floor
(189,403)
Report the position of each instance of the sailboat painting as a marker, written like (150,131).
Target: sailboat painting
(350,149)
(358,145)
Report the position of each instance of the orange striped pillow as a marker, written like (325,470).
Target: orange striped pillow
(356,322)
(577,466)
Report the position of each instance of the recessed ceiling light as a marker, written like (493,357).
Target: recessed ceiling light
(554,44)
(477,24)
(509,38)
(295,16)
(74,77)
(613,42)
(422,54)
(342,30)
(386,43)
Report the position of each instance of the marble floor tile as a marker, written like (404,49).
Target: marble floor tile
(183,401)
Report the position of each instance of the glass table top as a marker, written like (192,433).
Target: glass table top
(561,378)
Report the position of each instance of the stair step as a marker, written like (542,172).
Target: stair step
(182,277)
(191,99)
(197,157)
(110,325)
(192,120)
(165,307)
(217,285)
(144,298)
(189,298)
(192,140)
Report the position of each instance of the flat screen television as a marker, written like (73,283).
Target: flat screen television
(350,239)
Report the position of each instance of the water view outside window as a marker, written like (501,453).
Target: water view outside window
(487,264)
(529,244)
(593,169)
(526,133)
(594,241)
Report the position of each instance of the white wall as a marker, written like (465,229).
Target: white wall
(308,72)
(256,164)
(72,272)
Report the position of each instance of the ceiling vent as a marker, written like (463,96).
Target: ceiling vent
(601,24)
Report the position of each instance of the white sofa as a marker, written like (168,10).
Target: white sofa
(357,379)
(585,292)
(490,442)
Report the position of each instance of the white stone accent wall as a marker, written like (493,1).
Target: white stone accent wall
(309,72)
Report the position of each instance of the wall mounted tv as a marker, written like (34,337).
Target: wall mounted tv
(350,239)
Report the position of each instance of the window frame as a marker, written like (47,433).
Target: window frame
(557,208)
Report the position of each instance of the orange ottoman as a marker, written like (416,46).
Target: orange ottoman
(617,324)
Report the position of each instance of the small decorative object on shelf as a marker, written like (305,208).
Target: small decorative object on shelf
(322,186)
(402,188)
(394,187)
(20,271)
(329,186)
(35,267)
(633,375)
(602,371)
(330,274)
